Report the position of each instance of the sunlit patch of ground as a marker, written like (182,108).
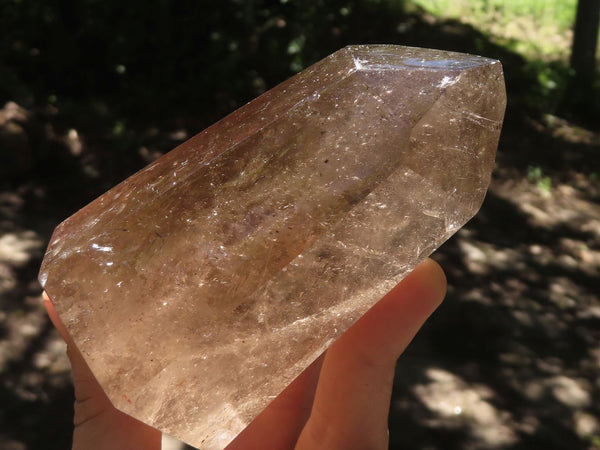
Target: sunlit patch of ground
(458,404)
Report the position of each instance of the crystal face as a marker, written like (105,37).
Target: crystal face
(201,286)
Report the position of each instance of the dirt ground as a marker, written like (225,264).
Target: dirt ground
(511,359)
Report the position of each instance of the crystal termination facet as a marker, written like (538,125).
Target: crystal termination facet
(200,287)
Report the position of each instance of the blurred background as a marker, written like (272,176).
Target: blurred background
(93,90)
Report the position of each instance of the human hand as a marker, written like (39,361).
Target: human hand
(341,401)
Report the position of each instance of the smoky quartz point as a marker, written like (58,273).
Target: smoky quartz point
(201,286)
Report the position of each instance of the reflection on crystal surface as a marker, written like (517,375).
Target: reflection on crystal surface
(201,286)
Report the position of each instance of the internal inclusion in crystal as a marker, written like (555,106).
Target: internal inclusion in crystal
(201,286)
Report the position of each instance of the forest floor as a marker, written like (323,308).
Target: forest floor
(511,359)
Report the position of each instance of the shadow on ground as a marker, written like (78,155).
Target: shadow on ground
(511,360)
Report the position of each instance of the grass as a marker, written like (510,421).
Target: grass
(538,29)
(536,175)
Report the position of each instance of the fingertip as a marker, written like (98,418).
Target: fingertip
(433,279)
(49,306)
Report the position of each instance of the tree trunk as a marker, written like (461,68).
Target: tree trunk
(585,41)
(579,99)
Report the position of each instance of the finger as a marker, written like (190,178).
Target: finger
(351,404)
(58,324)
(98,424)
(282,421)
(84,381)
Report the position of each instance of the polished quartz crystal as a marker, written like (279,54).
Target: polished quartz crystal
(201,286)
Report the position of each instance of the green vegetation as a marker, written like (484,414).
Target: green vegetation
(535,28)
(541,31)
(536,175)
(52,54)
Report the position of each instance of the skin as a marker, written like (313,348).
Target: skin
(341,401)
